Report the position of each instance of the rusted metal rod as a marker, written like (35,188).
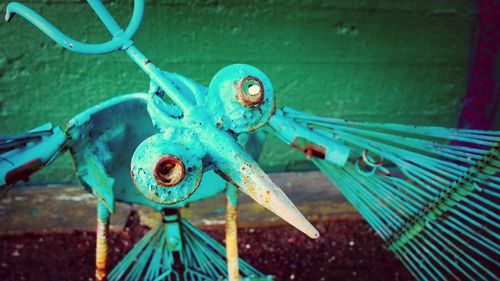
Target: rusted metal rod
(101,251)
(231,233)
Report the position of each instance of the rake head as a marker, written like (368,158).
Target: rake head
(431,193)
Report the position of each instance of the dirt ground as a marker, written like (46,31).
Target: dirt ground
(347,250)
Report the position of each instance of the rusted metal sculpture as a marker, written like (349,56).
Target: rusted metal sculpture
(425,190)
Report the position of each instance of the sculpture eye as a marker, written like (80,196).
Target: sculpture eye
(169,170)
(250,91)
(166,169)
(236,85)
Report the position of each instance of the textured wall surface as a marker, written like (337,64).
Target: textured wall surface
(390,61)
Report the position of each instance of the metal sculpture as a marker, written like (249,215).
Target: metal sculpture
(427,191)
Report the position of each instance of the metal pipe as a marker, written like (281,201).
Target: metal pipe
(231,233)
(102,234)
(120,39)
(159,78)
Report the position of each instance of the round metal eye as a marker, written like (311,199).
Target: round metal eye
(169,170)
(240,98)
(250,91)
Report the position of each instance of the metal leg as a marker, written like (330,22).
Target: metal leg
(171,218)
(231,233)
(101,253)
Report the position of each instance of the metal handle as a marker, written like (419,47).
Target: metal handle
(121,39)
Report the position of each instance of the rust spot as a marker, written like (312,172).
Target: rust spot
(100,274)
(310,149)
(23,172)
(244,166)
(169,170)
(267,197)
(250,188)
(232,240)
(250,91)
(102,234)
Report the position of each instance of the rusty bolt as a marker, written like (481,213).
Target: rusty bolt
(169,170)
(250,91)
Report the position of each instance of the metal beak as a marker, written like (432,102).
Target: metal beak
(238,167)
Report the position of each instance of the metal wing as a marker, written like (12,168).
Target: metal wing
(431,193)
(24,154)
(104,139)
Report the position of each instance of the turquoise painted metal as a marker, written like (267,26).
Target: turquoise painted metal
(238,100)
(312,143)
(429,192)
(24,154)
(153,258)
(142,149)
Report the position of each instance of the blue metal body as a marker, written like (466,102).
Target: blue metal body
(196,134)
(104,139)
(142,149)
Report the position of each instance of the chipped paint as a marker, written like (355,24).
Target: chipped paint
(23,155)
(232,109)
(313,143)
(160,147)
(242,171)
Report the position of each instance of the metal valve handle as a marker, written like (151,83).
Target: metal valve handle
(121,38)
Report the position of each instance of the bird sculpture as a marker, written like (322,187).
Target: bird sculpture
(431,193)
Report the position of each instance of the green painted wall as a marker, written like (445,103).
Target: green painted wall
(391,61)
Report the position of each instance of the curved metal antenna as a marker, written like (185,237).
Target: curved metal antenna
(121,39)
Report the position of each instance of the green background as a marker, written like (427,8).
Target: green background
(388,61)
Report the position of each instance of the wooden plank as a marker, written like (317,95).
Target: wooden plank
(52,208)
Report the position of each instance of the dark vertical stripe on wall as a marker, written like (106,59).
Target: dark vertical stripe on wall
(481,102)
